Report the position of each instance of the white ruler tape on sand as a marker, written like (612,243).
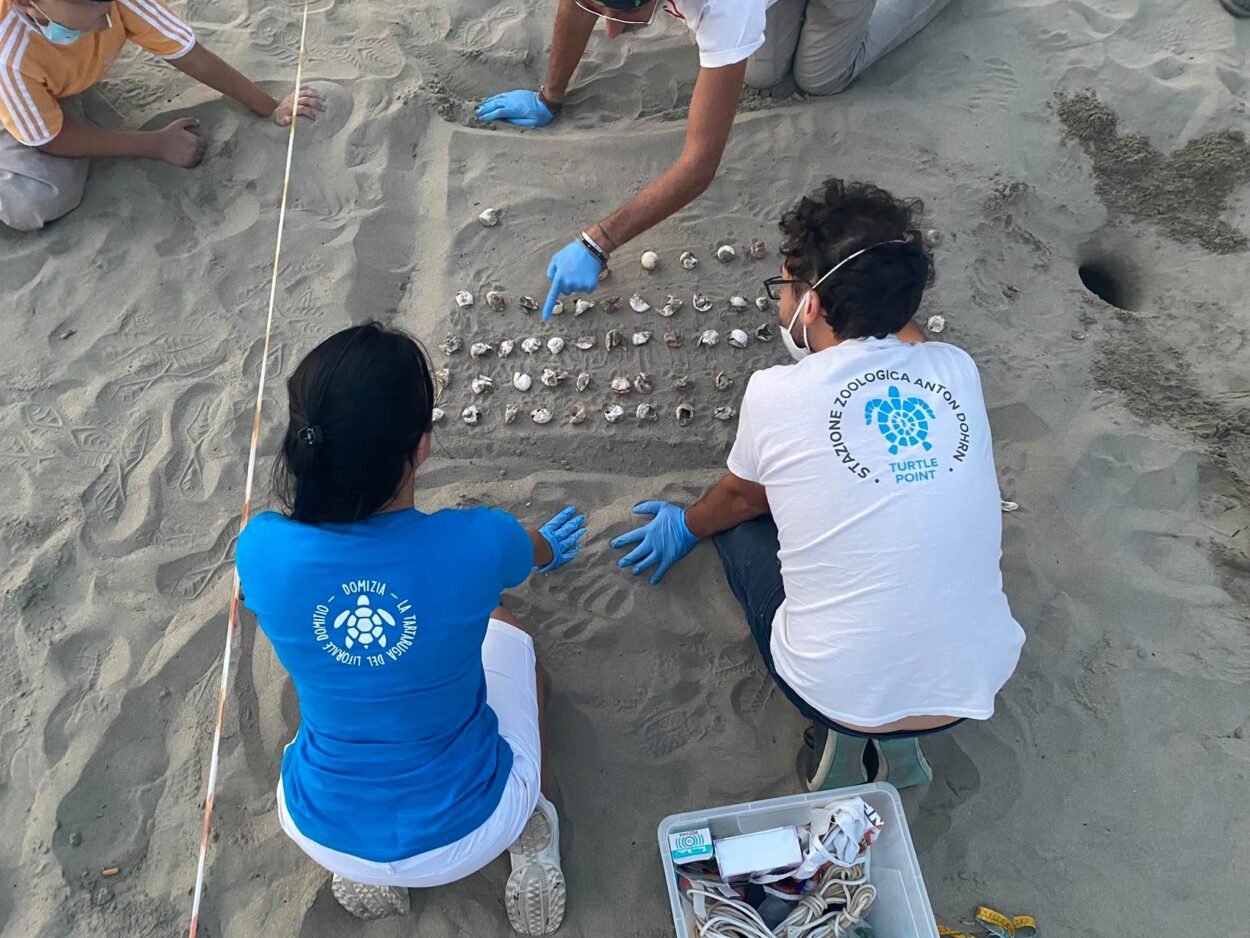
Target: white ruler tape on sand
(232,621)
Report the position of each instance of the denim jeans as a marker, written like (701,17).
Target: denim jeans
(749,555)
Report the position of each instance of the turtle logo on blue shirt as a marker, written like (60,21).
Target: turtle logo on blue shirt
(902,422)
(365,624)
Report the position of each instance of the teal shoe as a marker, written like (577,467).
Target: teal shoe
(831,760)
(902,762)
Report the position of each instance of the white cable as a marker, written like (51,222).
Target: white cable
(726,917)
(847,889)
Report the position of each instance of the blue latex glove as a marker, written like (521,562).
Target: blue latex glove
(665,539)
(563,533)
(522,108)
(573,270)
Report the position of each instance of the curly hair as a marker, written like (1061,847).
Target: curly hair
(878,292)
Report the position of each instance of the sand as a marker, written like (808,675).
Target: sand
(1107,795)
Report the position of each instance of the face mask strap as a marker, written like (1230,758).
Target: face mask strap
(78,33)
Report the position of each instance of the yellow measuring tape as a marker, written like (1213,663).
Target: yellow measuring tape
(232,619)
(997,924)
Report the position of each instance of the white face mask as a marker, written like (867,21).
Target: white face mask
(797,352)
(800,352)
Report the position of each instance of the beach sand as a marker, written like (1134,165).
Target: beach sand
(1107,794)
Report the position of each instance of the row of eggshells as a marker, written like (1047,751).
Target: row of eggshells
(700,301)
(613,413)
(651,260)
(738,338)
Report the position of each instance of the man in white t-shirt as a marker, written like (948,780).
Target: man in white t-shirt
(859,523)
(826,43)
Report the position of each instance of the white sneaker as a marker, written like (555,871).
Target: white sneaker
(535,894)
(369,903)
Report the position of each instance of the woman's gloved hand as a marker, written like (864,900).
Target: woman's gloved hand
(573,269)
(562,533)
(665,539)
(522,108)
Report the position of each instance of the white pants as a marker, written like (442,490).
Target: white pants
(35,187)
(512,692)
(830,42)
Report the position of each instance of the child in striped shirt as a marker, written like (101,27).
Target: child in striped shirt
(51,50)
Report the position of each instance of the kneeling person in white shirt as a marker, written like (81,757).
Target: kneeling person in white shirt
(859,523)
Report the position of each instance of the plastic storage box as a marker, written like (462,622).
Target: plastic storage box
(902,909)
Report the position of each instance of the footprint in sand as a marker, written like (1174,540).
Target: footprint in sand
(994,88)
(42,416)
(106,498)
(190,576)
(751,694)
(196,412)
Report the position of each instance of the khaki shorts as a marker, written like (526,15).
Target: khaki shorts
(35,187)
(828,43)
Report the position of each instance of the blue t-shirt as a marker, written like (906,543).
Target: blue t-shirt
(381,624)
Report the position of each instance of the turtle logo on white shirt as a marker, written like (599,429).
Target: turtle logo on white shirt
(901,422)
(365,624)
(924,426)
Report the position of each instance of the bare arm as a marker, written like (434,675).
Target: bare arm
(568,44)
(174,143)
(208,69)
(727,504)
(77,139)
(712,110)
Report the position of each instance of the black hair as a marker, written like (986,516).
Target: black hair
(877,293)
(359,404)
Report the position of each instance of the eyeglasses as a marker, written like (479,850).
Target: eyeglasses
(629,25)
(774,286)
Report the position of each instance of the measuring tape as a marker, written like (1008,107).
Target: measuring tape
(997,924)
(233,620)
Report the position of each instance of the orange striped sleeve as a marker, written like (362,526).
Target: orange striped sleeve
(155,27)
(28,109)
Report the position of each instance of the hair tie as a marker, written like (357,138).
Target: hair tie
(310,435)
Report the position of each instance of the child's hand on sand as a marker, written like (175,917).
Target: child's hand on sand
(305,102)
(177,144)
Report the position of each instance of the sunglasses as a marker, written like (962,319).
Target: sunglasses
(630,26)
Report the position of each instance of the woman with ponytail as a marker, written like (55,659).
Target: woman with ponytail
(419,755)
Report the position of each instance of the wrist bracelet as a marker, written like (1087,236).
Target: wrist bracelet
(552,106)
(595,249)
(592,251)
(608,236)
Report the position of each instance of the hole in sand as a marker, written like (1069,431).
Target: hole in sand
(1111,280)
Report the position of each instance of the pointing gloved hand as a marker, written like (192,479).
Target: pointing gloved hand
(522,108)
(665,539)
(562,533)
(573,269)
